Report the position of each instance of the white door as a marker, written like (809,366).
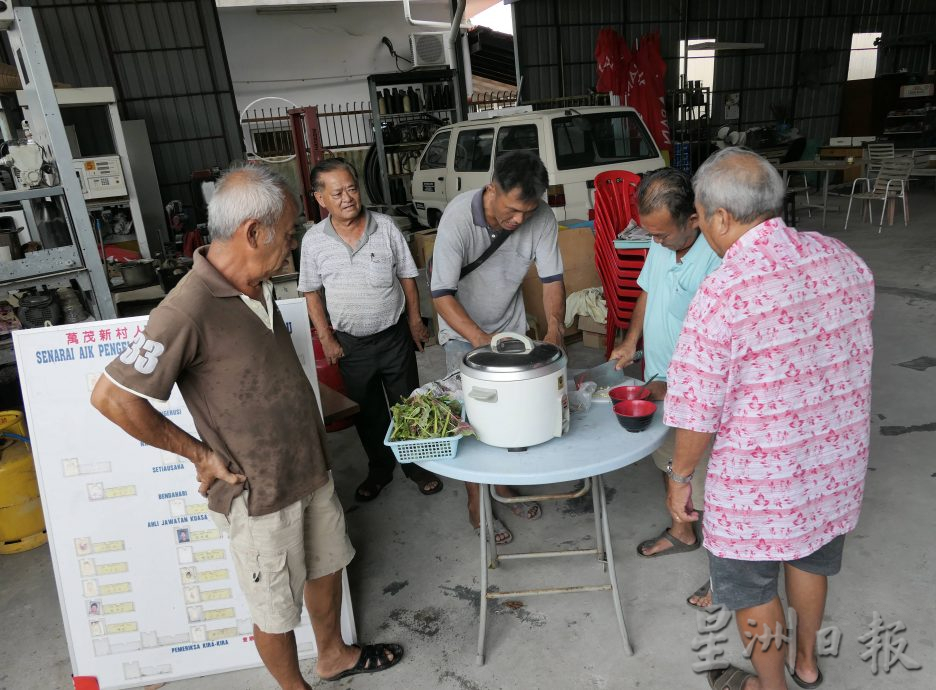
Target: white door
(472,166)
(429,194)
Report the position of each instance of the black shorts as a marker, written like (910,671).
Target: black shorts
(743,584)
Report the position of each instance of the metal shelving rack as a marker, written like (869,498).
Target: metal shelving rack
(450,112)
(691,126)
(905,125)
(104,96)
(80,261)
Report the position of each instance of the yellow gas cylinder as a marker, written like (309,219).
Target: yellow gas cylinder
(21,523)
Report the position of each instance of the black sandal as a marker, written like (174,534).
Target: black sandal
(370,489)
(373,659)
(423,479)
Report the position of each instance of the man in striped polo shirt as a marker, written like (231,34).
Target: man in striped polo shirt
(774,365)
(362,263)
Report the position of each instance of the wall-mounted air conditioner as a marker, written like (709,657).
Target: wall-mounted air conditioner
(431,49)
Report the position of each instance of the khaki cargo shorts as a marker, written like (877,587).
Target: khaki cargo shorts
(274,555)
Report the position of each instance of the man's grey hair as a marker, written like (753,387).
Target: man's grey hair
(747,192)
(669,189)
(247,192)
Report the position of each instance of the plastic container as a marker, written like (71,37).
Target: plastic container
(423,449)
(22,526)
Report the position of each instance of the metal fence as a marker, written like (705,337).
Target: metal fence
(491,100)
(346,126)
(268,135)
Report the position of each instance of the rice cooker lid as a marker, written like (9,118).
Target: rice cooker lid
(512,355)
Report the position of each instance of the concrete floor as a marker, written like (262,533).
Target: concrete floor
(415,578)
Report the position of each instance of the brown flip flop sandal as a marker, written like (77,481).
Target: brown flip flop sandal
(698,594)
(678,546)
(731,678)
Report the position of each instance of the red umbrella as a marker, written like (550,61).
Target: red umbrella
(645,88)
(606,55)
(613,58)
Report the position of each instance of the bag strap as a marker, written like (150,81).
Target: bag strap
(498,240)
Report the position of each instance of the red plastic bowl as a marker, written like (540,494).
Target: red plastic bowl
(621,393)
(634,415)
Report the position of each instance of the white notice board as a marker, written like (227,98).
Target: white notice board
(146,584)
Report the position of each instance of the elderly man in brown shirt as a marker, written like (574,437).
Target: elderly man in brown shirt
(261,461)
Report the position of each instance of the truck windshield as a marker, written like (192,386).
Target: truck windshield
(594,139)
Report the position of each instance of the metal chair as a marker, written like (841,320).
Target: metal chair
(789,199)
(877,154)
(924,164)
(889,185)
(794,190)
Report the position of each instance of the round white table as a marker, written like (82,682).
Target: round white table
(596,444)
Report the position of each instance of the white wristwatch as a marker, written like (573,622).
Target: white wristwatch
(679,479)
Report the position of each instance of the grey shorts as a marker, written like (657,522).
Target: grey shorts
(454,351)
(274,555)
(743,584)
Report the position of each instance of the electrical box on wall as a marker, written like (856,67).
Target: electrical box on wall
(100,177)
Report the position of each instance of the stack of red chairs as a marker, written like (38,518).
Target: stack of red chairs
(615,207)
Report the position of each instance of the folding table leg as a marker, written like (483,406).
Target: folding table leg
(482,617)
(599,528)
(486,506)
(599,484)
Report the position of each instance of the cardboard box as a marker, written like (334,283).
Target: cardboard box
(588,325)
(577,247)
(916,90)
(593,340)
(421,244)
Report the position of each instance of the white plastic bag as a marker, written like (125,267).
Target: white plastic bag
(581,400)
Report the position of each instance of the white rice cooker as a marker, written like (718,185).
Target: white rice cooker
(515,391)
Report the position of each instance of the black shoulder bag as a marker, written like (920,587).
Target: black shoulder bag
(498,240)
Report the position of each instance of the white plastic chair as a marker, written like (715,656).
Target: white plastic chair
(889,185)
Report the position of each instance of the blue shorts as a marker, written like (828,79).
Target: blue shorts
(743,584)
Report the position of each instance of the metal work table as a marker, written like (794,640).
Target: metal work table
(822,166)
(594,446)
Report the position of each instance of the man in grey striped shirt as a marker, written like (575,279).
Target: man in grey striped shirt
(362,263)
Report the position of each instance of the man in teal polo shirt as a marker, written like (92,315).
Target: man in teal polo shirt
(678,262)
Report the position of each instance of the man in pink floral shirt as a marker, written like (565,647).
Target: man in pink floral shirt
(774,366)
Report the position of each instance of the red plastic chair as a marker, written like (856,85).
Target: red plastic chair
(615,206)
(615,202)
